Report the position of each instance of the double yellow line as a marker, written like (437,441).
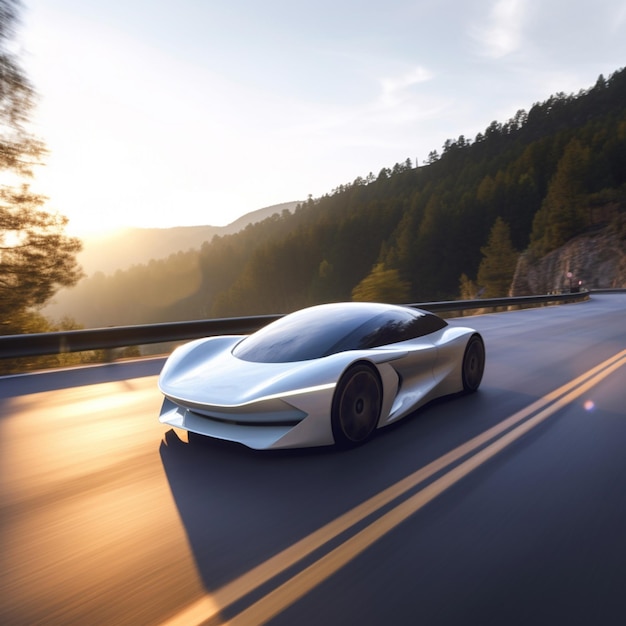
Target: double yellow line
(477,450)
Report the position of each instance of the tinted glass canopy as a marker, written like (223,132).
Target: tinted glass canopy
(326,329)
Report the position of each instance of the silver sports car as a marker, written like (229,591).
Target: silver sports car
(328,374)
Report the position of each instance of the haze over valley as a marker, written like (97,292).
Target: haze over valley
(120,249)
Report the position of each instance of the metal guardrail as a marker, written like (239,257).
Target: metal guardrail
(41,344)
(494,303)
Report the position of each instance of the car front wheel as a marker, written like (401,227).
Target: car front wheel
(356,405)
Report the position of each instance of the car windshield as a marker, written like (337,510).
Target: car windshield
(327,329)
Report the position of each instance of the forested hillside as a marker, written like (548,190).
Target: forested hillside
(407,233)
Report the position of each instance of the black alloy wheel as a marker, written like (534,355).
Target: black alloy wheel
(356,405)
(473,364)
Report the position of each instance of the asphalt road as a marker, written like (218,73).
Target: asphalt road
(504,507)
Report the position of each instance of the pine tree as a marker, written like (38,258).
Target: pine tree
(382,285)
(562,215)
(468,289)
(496,270)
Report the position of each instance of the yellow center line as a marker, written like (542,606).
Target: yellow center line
(209,606)
(291,591)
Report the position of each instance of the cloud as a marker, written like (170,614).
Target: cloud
(620,18)
(395,89)
(501,33)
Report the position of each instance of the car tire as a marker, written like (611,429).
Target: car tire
(356,405)
(473,364)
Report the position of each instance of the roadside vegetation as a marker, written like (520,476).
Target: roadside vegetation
(37,258)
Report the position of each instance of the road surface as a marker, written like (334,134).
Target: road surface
(504,507)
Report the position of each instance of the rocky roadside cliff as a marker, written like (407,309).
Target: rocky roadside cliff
(596,260)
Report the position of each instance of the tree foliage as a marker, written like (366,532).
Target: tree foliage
(468,289)
(36,257)
(497,267)
(562,214)
(382,285)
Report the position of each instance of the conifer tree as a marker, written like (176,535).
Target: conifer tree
(382,285)
(467,288)
(497,267)
(562,215)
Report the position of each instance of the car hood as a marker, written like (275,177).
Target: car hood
(205,373)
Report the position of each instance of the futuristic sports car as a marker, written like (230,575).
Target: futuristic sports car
(328,374)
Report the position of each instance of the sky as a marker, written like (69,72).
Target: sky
(195,112)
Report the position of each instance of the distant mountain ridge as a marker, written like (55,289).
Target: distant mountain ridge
(121,249)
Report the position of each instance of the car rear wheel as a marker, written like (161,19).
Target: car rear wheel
(473,364)
(356,405)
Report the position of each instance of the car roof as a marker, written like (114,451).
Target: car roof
(326,329)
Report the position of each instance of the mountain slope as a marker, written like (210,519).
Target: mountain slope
(120,249)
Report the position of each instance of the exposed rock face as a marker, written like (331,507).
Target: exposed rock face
(592,261)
